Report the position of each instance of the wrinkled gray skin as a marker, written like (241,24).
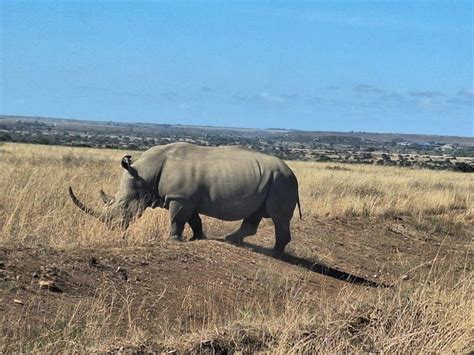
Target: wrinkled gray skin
(227,183)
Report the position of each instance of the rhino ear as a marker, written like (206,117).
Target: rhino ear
(127,162)
(127,165)
(107,199)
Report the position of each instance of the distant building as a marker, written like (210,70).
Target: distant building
(447,147)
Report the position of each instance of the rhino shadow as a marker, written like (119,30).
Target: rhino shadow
(310,265)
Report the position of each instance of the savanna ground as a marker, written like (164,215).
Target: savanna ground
(382,261)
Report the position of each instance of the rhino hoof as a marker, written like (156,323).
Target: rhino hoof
(176,238)
(277,254)
(197,237)
(235,240)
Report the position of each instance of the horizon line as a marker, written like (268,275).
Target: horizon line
(231,127)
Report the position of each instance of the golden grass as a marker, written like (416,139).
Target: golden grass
(35,206)
(425,317)
(367,190)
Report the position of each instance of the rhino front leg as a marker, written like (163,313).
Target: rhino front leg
(180,213)
(196,225)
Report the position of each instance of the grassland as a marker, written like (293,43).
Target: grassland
(410,229)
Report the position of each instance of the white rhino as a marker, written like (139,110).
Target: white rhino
(227,183)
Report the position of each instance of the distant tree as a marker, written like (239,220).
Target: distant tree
(323,158)
(5,138)
(463,167)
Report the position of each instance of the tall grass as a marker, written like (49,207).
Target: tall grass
(366,190)
(426,318)
(35,206)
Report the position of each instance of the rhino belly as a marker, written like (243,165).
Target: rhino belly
(231,207)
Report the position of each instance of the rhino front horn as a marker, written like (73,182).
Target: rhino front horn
(83,207)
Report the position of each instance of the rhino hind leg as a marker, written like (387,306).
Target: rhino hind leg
(282,237)
(280,205)
(248,227)
(196,225)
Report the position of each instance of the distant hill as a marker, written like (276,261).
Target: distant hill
(152,128)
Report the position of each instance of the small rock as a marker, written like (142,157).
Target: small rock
(17,301)
(122,272)
(34,275)
(18,277)
(49,285)
(405,277)
(93,262)
(2,264)
(49,271)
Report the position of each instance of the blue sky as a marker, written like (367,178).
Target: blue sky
(400,66)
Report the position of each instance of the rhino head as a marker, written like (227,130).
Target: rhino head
(129,203)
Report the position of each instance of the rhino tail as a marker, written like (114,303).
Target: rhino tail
(299,206)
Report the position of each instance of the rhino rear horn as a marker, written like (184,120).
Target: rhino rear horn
(107,199)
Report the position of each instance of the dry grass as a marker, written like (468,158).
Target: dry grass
(364,190)
(428,318)
(34,201)
(35,207)
(434,315)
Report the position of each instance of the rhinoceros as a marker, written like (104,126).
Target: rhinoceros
(228,183)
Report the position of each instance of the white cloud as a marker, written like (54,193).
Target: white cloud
(466,93)
(265,96)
